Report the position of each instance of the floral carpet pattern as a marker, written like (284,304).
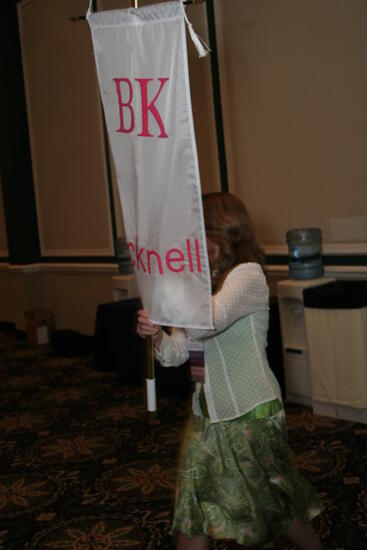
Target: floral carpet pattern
(83,466)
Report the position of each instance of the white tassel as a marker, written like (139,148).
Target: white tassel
(89,12)
(201,46)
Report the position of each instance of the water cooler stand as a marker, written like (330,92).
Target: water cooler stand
(294,338)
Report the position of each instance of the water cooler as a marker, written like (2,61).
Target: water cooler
(305,270)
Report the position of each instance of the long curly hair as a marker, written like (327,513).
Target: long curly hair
(228,225)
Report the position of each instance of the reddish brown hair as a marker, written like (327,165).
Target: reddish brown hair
(228,225)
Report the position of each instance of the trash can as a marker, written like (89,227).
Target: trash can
(117,347)
(336,328)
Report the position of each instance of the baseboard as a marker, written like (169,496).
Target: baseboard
(340,411)
(64,267)
(357,272)
(334,249)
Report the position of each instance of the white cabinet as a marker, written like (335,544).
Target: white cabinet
(294,338)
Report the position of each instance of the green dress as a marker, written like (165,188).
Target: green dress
(238,479)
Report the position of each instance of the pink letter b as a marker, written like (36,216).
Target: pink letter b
(126,104)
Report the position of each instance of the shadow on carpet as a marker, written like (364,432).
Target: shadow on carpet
(85,467)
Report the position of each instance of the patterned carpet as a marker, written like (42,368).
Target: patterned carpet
(84,467)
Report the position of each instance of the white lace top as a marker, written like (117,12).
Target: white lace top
(237,374)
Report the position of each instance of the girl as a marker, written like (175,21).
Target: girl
(237,477)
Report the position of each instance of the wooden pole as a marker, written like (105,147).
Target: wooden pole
(149,358)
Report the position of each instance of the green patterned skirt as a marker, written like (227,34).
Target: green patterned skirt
(238,479)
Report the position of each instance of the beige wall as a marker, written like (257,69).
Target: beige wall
(20,291)
(3,237)
(294,88)
(72,293)
(202,103)
(74,297)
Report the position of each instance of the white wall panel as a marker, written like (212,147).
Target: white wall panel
(65,124)
(294,87)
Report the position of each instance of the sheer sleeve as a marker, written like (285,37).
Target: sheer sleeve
(244,291)
(173,351)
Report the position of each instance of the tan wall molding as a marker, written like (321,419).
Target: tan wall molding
(81,252)
(332,249)
(80,267)
(26,268)
(338,271)
(61,267)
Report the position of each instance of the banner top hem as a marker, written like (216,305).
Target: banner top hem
(136,16)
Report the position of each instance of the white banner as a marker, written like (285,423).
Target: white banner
(142,68)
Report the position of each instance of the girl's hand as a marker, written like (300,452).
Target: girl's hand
(145,327)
